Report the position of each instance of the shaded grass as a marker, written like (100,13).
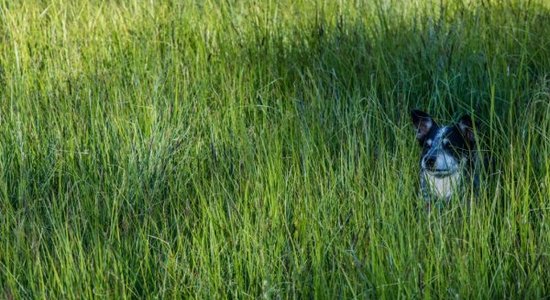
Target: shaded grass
(264,149)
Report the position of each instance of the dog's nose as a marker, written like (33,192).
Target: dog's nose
(430,162)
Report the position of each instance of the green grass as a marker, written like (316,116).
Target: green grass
(248,149)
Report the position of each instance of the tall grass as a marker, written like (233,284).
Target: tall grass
(245,149)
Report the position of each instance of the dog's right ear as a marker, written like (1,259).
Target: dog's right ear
(422,122)
(465,124)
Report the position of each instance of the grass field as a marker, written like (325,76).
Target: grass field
(263,149)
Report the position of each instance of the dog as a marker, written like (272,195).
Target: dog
(448,164)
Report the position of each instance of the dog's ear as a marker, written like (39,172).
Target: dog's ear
(466,127)
(422,122)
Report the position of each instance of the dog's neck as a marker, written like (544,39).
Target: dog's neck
(441,187)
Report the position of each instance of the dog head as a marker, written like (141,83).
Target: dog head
(445,149)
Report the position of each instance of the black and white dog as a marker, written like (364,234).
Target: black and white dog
(449,160)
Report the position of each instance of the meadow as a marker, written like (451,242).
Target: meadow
(264,149)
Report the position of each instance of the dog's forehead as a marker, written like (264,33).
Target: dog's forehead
(442,132)
(438,133)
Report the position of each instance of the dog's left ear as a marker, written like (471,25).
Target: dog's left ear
(466,127)
(423,123)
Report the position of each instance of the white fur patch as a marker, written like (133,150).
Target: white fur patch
(445,186)
(445,161)
(441,132)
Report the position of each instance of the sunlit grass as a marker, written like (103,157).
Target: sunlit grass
(264,149)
